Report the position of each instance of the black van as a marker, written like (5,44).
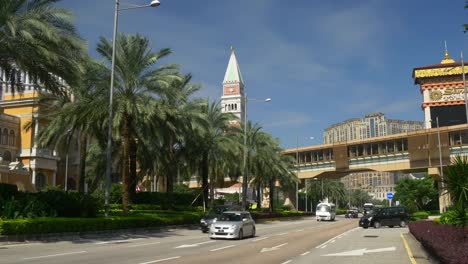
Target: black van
(389,216)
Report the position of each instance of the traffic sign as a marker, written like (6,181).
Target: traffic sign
(389,195)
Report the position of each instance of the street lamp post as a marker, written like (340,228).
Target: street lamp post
(153,3)
(464,86)
(245,170)
(297,174)
(441,165)
(66,158)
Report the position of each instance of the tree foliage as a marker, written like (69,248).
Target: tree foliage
(416,194)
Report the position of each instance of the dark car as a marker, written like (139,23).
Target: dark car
(351,213)
(212,214)
(389,216)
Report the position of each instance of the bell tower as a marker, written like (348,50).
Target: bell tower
(233,98)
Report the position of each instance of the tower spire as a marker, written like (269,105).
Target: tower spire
(447,58)
(233,73)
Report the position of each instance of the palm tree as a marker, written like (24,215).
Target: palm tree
(138,83)
(456,177)
(212,141)
(75,112)
(39,38)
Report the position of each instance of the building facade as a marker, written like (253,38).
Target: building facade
(31,167)
(372,125)
(443,92)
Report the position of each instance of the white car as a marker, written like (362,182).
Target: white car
(233,225)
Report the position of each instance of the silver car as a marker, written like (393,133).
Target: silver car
(233,225)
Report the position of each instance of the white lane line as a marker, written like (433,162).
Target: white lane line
(287,261)
(300,230)
(305,253)
(194,245)
(259,239)
(159,260)
(323,245)
(282,234)
(141,245)
(333,241)
(216,249)
(56,255)
(117,241)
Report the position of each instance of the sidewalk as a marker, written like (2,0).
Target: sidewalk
(416,251)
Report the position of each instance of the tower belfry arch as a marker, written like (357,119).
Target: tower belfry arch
(233,98)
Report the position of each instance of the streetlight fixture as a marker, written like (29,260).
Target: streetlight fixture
(153,3)
(245,177)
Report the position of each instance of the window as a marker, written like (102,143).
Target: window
(41,181)
(5,136)
(7,156)
(12,138)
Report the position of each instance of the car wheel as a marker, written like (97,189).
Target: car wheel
(241,235)
(403,223)
(377,225)
(390,226)
(253,232)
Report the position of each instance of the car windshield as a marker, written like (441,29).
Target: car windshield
(217,210)
(323,208)
(230,217)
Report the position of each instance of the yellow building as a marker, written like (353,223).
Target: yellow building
(31,168)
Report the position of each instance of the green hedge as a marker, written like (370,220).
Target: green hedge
(49,203)
(419,216)
(7,191)
(61,225)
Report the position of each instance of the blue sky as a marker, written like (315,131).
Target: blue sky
(321,62)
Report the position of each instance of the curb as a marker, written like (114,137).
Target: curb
(416,251)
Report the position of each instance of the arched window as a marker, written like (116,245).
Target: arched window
(12,138)
(41,181)
(5,136)
(7,156)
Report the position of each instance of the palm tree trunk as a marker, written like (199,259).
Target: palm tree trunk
(259,198)
(82,169)
(204,176)
(171,171)
(133,168)
(125,162)
(272,193)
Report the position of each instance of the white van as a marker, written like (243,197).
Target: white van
(325,211)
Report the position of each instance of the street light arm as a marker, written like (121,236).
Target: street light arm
(134,7)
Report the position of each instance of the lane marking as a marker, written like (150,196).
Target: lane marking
(323,245)
(305,253)
(141,245)
(282,234)
(194,245)
(56,255)
(300,230)
(159,260)
(117,241)
(287,261)
(360,252)
(259,239)
(272,248)
(216,249)
(408,250)
(333,241)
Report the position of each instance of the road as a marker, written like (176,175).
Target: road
(295,241)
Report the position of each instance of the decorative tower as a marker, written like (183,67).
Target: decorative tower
(233,98)
(442,88)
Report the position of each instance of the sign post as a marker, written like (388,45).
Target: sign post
(390,197)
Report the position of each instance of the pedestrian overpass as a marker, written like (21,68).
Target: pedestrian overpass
(414,151)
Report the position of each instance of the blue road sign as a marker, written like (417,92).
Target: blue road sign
(389,195)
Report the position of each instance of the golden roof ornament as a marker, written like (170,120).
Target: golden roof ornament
(447,58)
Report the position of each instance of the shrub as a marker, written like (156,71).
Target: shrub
(50,203)
(165,200)
(7,191)
(60,225)
(454,217)
(419,216)
(447,243)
